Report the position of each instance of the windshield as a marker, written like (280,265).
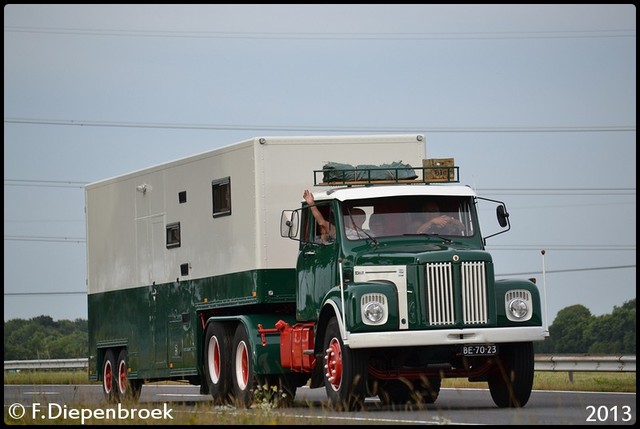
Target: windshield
(416,215)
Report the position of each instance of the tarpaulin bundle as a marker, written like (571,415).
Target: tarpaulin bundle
(338,172)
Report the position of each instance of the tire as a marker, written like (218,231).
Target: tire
(217,362)
(510,383)
(242,372)
(426,390)
(128,390)
(288,383)
(345,373)
(402,392)
(109,378)
(285,390)
(395,392)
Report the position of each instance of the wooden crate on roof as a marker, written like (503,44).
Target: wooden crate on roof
(438,170)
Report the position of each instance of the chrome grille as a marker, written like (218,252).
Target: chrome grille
(474,292)
(440,294)
(441,297)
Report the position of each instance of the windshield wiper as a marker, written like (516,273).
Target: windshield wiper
(358,230)
(444,239)
(373,240)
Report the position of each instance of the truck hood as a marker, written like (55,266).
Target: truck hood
(418,253)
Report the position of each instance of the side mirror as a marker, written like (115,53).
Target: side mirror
(289,222)
(503,216)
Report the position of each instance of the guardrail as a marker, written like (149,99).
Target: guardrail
(585,363)
(561,363)
(15,365)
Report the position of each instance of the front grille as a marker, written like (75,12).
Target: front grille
(474,292)
(442,296)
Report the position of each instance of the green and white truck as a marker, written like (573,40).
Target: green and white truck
(212,269)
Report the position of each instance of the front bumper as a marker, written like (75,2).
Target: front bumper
(445,337)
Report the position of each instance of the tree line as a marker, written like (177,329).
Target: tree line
(43,338)
(574,330)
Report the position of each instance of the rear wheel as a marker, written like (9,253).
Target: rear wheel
(511,381)
(217,361)
(109,381)
(243,373)
(345,374)
(128,390)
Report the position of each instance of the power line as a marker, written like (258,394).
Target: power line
(410,36)
(576,192)
(238,127)
(619,267)
(525,247)
(497,275)
(44,183)
(43,293)
(38,183)
(561,247)
(556,189)
(43,220)
(45,239)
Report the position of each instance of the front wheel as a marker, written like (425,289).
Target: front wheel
(395,392)
(511,381)
(400,391)
(427,389)
(345,371)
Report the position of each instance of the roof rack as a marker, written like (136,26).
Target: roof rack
(386,176)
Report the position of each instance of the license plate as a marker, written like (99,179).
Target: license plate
(479,350)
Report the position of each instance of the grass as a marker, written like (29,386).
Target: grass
(46,377)
(205,413)
(543,380)
(576,381)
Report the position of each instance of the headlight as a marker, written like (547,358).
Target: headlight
(518,308)
(373,308)
(373,312)
(518,305)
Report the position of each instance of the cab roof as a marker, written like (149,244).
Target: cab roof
(362,192)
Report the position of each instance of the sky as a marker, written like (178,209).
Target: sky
(536,103)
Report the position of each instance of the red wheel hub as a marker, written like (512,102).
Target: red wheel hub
(122,376)
(333,363)
(107,377)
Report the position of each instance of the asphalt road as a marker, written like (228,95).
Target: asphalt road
(454,406)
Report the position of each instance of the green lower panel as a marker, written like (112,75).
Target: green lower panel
(160,327)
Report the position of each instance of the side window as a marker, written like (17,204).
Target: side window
(173,235)
(307,224)
(319,235)
(221,192)
(464,214)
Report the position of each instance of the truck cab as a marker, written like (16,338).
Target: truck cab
(390,222)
